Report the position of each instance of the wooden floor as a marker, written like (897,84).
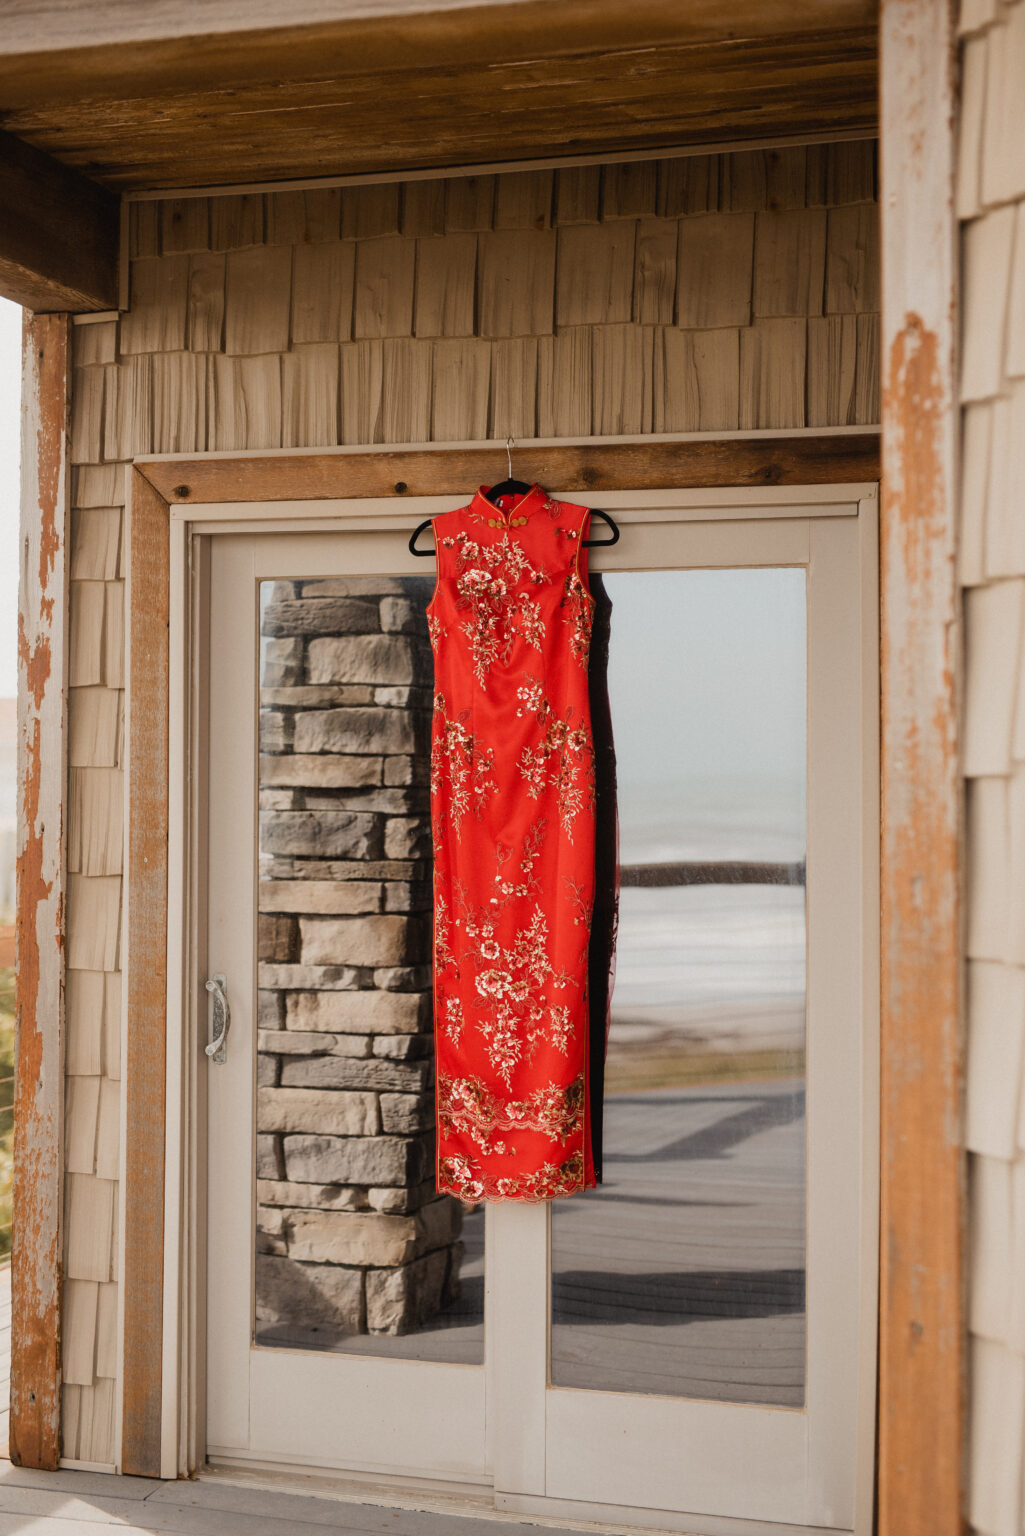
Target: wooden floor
(700,1293)
(67,1502)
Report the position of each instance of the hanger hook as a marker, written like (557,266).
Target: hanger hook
(508,454)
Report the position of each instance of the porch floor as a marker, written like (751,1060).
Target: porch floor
(60,1503)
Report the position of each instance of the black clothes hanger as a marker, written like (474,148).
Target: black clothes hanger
(421,554)
(509,487)
(603,543)
(512,487)
(517,488)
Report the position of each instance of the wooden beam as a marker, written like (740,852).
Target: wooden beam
(642,465)
(43,26)
(434,86)
(59,233)
(145,972)
(922,1315)
(39,1026)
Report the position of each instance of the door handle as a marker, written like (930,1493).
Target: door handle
(217,1050)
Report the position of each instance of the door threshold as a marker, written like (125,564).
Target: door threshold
(466,1500)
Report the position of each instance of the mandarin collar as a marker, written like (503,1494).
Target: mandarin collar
(525,504)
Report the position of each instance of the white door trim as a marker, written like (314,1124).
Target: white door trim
(183,1343)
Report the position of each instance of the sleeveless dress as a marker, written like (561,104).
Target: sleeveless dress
(513,817)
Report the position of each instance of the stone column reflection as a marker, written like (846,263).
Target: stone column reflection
(351,1237)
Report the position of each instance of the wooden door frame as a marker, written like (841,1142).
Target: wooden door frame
(923,1331)
(165,494)
(922,1191)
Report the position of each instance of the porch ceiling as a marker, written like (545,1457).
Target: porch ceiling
(181,94)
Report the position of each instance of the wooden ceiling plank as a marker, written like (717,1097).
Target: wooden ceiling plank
(41,61)
(453,110)
(58,234)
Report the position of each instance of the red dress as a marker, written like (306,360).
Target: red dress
(512,808)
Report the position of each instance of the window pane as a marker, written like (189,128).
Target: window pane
(683,1274)
(354,1249)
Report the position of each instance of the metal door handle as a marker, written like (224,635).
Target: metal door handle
(217,1050)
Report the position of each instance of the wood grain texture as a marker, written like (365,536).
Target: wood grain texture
(514,388)
(517,282)
(772,371)
(715,267)
(696,381)
(145,974)
(595,273)
(922,1317)
(256,311)
(59,234)
(754,461)
(446,285)
(184,226)
(655,272)
(463,86)
(39,1024)
(789,262)
(322,286)
(832,369)
(384,287)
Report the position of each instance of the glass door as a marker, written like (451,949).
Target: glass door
(697,1348)
(695,1336)
(346,1298)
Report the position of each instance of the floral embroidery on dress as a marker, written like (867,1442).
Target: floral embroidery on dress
(458,760)
(468,1105)
(469,1182)
(512,982)
(529,855)
(564,757)
(512,797)
(580,604)
(487,578)
(443,955)
(455,1022)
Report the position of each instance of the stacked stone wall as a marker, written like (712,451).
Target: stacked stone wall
(352,1237)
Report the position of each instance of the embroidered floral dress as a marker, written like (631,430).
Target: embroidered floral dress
(512,804)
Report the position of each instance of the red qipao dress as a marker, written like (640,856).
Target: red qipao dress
(513,817)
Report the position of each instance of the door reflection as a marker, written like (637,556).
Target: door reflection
(684,1274)
(355,1250)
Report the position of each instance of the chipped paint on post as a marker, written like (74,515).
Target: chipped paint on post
(38,1096)
(922,1324)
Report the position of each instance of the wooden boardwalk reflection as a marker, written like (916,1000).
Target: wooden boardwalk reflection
(684,1273)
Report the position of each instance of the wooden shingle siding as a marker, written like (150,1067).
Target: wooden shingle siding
(309,396)
(446,285)
(205,302)
(322,289)
(517,282)
(514,387)
(789,262)
(670,295)
(716,253)
(595,274)
(236,222)
(257,299)
(991,568)
(384,287)
(654,292)
(184,225)
(524,200)
(155,322)
(304,218)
